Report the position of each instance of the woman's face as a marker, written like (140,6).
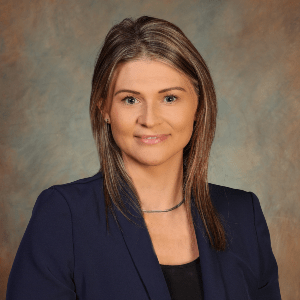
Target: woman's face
(145,109)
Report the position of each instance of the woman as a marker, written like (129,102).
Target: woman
(148,225)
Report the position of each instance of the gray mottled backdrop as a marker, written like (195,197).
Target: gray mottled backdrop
(47,53)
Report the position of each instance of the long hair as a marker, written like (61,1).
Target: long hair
(157,39)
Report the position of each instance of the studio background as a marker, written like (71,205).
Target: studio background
(47,53)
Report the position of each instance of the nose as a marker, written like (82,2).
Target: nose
(150,115)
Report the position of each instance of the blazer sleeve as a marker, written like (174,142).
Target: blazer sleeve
(44,263)
(268,283)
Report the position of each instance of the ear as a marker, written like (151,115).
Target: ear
(105,111)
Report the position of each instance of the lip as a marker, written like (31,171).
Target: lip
(156,135)
(160,138)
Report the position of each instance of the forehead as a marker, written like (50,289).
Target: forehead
(145,73)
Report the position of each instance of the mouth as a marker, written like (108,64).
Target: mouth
(153,139)
(153,136)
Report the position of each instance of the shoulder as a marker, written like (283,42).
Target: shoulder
(76,195)
(84,187)
(221,194)
(80,183)
(233,204)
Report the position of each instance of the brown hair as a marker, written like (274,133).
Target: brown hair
(157,39)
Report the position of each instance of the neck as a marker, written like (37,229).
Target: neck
(158,187)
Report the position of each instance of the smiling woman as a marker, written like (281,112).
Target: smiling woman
(153,114)
(146,60)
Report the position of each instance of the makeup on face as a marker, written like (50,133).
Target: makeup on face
(152,140)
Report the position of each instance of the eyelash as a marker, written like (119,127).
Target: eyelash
(128,96)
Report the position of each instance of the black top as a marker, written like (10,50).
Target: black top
(184,281)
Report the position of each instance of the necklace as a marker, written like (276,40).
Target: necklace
(153,211)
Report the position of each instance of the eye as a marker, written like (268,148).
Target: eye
(130,98)
(170,97)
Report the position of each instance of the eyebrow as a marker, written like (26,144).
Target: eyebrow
(162,91)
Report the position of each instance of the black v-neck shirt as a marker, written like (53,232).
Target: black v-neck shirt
(184,281)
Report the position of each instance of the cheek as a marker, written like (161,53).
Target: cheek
(184,131)
(119,130)
(183,124)
(121,127)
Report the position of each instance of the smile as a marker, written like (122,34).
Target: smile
(153,140)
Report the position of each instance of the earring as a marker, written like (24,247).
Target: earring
(106,120)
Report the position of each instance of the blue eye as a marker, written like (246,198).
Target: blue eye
(127,97)
(171,96)
(132,98)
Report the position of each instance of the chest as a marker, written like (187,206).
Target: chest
(174,242)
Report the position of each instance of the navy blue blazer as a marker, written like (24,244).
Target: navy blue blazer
(66,253)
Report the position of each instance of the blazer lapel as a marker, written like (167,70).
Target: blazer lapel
(213,284)
(138,242)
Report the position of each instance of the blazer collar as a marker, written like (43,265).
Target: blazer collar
(139,245)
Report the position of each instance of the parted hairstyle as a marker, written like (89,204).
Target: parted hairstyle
(157,39)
